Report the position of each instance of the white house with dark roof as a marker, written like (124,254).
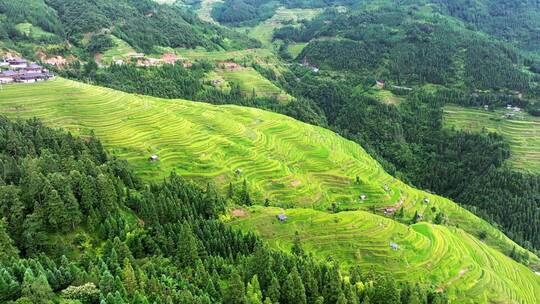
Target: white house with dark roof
(7,76)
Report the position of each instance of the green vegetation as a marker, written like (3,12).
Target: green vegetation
(295,49)
(79,227)
(468,270)
(32,31)
(521,131)
(120,51)
(283,160)
(251,82)
(283,16)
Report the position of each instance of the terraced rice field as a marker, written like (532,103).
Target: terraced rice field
(238,55)
(205,11)
(265,30)
(469,270)
(250,81)
(290,163)
(120,51)
(522,131)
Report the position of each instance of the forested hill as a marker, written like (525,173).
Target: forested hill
(30,26)
(79,227)
(515,21)
(415,44)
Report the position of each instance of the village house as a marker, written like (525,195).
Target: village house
(7,76)
(380,84)
(3,62)
(389,210)
(136,55)
(17,63)
(281,217)
(363,197)
(32,77)
(394,246)
(153,158)
(33,68)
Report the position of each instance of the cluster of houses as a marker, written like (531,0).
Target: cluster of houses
(13,69)
(511,111)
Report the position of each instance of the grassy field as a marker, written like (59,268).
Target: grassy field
(247,55)
(120,51)
(522,131)
(33,31)
(469,270)
(251,81)
(291,163)
(248,78)
(205,12)
(295,49)
(264,31)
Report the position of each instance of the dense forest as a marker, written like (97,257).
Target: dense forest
(251,12)
(401,45)
(78,225)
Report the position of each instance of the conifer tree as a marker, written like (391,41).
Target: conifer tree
(293,291)
(128,277)
(253,292)
(235,292)
(273,291)
(187,247)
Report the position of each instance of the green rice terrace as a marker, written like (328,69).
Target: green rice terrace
(469,270)
(521,130)
(294,165)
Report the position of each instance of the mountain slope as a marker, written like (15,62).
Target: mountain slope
(450,258)
(290,163)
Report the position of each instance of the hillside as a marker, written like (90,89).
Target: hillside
(290,163)
(521,131)
(448,257)
(408,45)
(81,28)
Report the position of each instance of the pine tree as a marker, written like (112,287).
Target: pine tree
(254,294)
(7,249)
(236,292)
(9,287)
(36,288)
(55,210)
(293,291)
(245,197)
(187,247)
(341,298)
(128,277)
(273,291)
(297,245)
(106,283)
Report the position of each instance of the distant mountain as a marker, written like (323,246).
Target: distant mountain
(417,44)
